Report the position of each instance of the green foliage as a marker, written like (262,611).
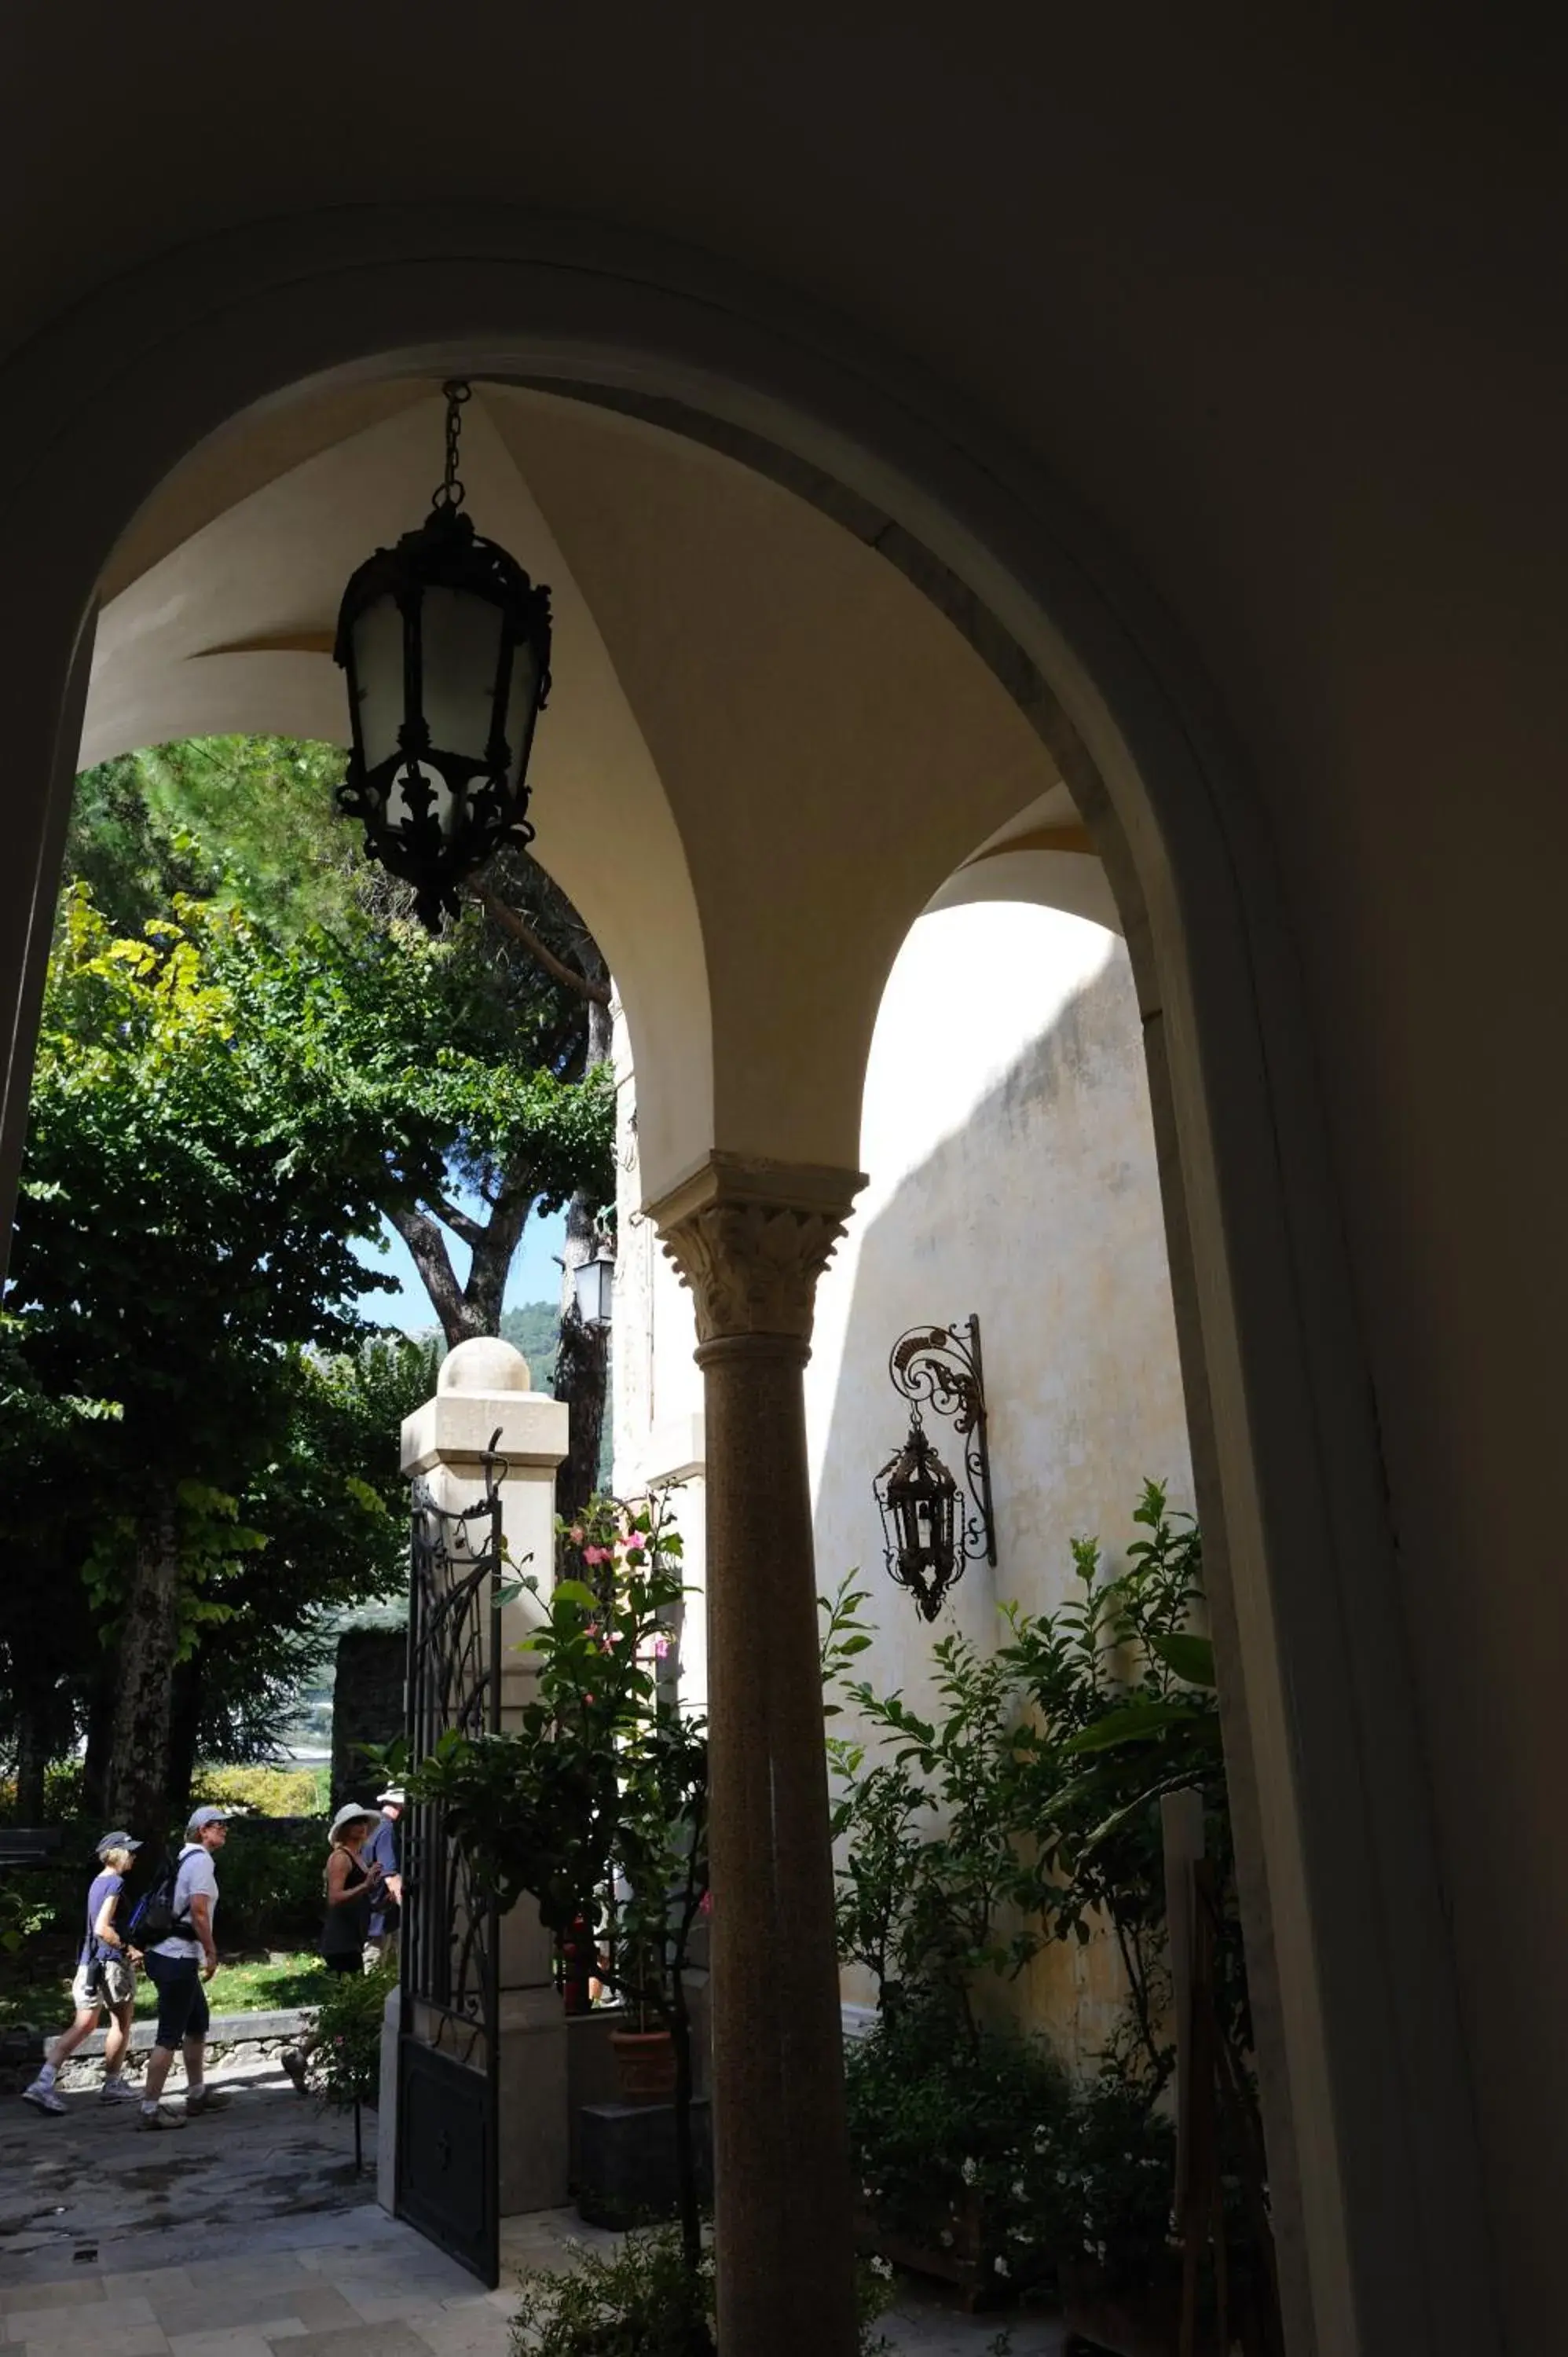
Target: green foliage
(22,1912)
(641,2299)
(344,2066)
(269,1878)
(1026,1807)
(605,1774)
(264,1791)
(953,2135)
(596,1804)
(928,1830)
(534,1328)
(251,1984)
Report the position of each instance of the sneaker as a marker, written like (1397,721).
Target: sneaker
(207,2099)
(292,2063)
(41,2097)
(115,2090)
(160,2117)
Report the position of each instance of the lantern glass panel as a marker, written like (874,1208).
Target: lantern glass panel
(522,706)
(379,679)
(595,1281)
(461,645)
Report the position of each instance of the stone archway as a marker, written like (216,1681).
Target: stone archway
(1372,2142)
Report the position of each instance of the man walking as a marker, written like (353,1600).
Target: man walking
(386,1914)
(179,1966)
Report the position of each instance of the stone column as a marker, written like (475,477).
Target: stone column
(751,1239)
(484,1387)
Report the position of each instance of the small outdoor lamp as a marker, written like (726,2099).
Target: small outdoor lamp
(446,642)
(595,1282)
(917,1493)
(930,1535)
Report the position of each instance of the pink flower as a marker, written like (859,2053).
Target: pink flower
(598,1554)
(577,1534)
(661,1649)
(705,1904)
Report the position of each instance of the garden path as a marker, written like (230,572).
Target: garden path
(249,2236)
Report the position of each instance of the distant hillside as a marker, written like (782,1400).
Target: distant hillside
(534,1328)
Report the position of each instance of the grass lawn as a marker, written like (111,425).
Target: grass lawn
(248,1984)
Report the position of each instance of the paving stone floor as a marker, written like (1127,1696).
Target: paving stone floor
(249,2236)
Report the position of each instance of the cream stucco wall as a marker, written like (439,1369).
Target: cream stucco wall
(1007,1137)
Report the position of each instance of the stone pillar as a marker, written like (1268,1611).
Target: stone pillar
(483,1388)
(751,1239)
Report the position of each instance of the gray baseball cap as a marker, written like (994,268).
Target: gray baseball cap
(207,1816)
(116,1841)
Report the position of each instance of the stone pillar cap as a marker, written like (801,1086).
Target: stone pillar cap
(485,1364)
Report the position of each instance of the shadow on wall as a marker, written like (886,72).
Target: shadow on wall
(1042,1213)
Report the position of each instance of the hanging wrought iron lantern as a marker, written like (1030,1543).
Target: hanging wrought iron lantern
(917,1495)
(446,642)
(931,1531)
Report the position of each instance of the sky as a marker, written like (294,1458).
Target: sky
(535,1275)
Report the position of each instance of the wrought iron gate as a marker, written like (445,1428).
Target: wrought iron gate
(447,2173)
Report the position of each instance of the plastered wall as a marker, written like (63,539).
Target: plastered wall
(1006,1135)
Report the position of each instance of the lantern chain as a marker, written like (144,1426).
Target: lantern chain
(452,492)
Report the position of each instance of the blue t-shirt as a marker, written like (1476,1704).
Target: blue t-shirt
(381,1850)
(107,1885)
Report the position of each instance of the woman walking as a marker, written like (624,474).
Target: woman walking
(352,1887)
(105,1982)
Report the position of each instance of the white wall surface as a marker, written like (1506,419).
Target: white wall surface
(1007,1139)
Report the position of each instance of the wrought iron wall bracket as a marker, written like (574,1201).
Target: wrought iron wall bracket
(931,1534)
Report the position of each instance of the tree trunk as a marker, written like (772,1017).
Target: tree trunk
(185,1731)
(99,1737)
(582,1361)
(136,1784)
(466,1310)
(32,1760)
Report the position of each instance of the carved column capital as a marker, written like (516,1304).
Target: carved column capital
(750,1239)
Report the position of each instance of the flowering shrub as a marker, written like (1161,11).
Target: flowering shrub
(596,1806)
(952,2136)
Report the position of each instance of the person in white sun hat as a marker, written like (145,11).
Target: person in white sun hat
(352,1887)
(105,1983)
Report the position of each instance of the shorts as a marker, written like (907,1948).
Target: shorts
(111,1982)
(182,2001)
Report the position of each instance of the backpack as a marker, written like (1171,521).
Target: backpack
(153,1918)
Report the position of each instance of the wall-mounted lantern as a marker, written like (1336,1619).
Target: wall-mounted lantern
(446,642)
(594,1281)
(933,1529)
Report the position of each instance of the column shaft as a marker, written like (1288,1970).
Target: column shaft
(751,1239)
(786,2268)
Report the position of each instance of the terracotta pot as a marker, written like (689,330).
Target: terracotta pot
(645,2065)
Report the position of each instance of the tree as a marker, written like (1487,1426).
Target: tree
(250,822)
(189,1203)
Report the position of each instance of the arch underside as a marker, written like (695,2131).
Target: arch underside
(790,836)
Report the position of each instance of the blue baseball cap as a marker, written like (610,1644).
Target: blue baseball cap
(207,1816)
(116,1841)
